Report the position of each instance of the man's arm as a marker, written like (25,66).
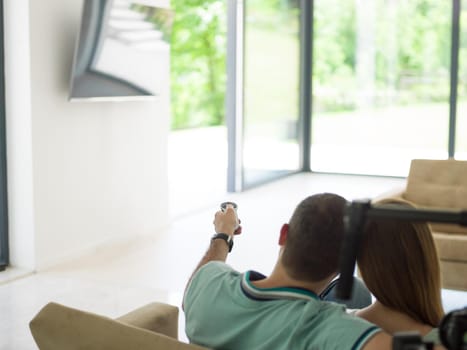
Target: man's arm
(224,222)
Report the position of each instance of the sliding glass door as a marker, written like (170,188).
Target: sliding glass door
(3,192)
(381,84)
(265,70)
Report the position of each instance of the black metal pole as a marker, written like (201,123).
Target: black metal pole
(353,223)
(409,214)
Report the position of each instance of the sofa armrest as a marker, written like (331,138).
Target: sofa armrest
(156,317)
(57,327)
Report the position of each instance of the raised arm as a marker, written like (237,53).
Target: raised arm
(227,223)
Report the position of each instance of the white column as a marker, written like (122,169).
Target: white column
(19,136)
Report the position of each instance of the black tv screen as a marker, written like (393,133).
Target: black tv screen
(122,50)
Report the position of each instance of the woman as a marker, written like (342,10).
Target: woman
(399,264)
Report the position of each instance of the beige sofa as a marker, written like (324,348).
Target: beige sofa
(442,184)
(151,327)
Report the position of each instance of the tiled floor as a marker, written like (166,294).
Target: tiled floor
(116,279)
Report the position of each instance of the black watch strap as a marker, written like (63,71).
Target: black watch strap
(227,238)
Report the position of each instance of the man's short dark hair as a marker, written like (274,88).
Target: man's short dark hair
(316,231)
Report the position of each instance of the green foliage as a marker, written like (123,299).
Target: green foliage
(198,56)
(334,54)
(334,39)
(412,57)
(424,34)
(161,18)
(411,53)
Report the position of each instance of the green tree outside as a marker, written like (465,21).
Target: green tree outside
(416,67)
(198,56)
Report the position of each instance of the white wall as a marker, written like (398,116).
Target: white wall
(19,141)
(97,170)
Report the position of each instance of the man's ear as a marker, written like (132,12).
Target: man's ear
(283,234)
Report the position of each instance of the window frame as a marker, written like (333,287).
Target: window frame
(4,245)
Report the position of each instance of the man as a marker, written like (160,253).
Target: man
(225,309)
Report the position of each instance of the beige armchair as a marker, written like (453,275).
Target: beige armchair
(442,184)
(151,327)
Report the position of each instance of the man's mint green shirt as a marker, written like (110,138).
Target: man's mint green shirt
(224,310)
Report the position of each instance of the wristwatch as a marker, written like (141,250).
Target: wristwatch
(227,238)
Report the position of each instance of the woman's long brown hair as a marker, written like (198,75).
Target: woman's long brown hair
(399,263)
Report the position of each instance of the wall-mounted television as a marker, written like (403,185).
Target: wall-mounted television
(122,50)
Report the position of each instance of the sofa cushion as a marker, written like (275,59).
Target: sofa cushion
(60,327)
(453,275)
(440,171)
(451,247)
(438,184)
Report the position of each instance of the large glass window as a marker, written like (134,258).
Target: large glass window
(271,90)
(380,88)
(197,156)
(380,84)
(461,127)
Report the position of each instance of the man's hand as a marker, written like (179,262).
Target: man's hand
(227,221)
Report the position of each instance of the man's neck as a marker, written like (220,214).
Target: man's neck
(280,278)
